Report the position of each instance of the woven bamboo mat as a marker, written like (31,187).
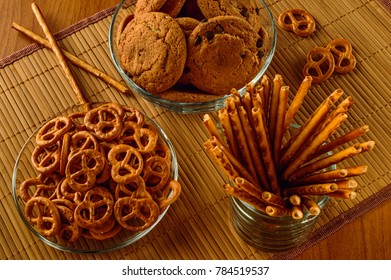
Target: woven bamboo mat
(33,90)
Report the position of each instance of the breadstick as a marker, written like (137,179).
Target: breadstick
(241,170)
(338,142)
(297,100)
(228,132)
(349,184)
(280,119)
(297,142)
(311,147)
(273,199)
(74,60)
(275,211)
(356,170)
(277,84)
(245,185)
(343,107)
(245,197)
(326,162)
(60,56)
(297,212)
(321,177)
(266,87)
(311,205)
(242,143)
(316,189)
(253,148)
(263,142)
(295,199)
(211,125)
(343,194)
(221,160)
(367,146)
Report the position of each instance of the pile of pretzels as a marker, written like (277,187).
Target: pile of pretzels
(99,172)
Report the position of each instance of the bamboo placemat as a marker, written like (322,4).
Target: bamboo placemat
(33,90)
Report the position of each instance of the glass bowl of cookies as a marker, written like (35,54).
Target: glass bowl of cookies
(187,56)
(95,180)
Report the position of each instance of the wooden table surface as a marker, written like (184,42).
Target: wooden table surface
(368,237)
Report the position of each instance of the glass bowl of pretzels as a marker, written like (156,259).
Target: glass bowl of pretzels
(187,56)
(95,179)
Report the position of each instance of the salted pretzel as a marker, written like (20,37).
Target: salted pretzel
(105,121)
(136,214)
(83,168)
(135,189)
(156,173)
(64,191)
(299,21)
(320,64)
(127,163)
(46,159)
(34,187)
(95,209)
(342,50)
(168,195)
(69,230)
(82,140)
(134,115)
(42,213)
(52,131)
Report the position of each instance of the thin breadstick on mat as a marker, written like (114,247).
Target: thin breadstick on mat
(74,60)
(60,56)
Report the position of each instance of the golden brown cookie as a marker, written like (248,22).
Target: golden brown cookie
(248,10)
(224,52)
(187,24)
(152,50)
(170,7)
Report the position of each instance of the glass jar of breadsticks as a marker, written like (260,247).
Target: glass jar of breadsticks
(282,174)
(95,180)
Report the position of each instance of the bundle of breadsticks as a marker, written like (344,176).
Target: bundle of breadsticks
(279,169)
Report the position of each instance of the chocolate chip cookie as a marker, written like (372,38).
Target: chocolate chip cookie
(248,10)
(224,52)
(152,51)
(170,7)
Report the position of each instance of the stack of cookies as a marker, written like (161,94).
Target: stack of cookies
(203,46)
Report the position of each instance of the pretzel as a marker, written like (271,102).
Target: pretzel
(299,21)
(136,214)
(275,211)
(342,49)
(40,189)
(343,194)
(133,115)
(69,231)
(135,189)
(52,131)
(82,140)
(145,140)
(95,209)
(103,235)
(169,194)
(127,163)
(42,213)
(64,191)
(156,173)
(320,64)
(64,153)
(243,184)
(83,168)
(46,159)
(105,121)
